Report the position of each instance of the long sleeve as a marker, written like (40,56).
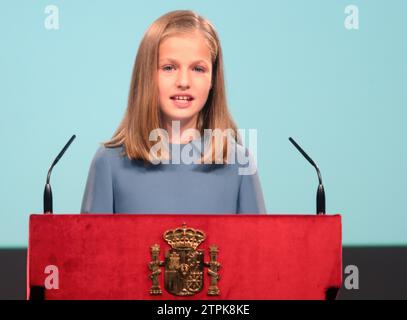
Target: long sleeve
(98,196)
(251,195)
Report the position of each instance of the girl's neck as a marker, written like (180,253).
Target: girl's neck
(181,131)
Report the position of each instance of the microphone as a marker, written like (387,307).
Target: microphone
(47,190)
(320,191)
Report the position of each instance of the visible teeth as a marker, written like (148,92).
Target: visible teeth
(182,98)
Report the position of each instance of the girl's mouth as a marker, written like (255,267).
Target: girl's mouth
(182,101)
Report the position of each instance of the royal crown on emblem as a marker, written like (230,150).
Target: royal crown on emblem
(184,238)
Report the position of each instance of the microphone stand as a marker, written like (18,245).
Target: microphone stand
(47,190)
(320,190)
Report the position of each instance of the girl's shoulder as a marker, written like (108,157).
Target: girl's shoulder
(108,154)
(239,150)
(244,159)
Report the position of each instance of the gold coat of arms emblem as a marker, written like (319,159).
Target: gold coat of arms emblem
(184,264)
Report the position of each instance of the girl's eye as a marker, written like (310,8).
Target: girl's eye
(171,67)
(168,68)
(199,69)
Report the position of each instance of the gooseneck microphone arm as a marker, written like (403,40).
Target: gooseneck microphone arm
(47,190)
(320,191)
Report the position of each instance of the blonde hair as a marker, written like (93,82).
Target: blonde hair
(143,111)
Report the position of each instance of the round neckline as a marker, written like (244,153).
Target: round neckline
(184,144)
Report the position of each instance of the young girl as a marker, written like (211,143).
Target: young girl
(177,88)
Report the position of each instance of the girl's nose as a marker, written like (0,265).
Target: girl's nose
(183,79)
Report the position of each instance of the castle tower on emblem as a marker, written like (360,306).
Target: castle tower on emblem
(184,264)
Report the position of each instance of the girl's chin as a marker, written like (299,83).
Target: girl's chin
(180,113)
(183,117)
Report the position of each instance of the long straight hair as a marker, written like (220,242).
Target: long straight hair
(142,115)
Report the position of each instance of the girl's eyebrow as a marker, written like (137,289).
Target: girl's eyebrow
(176,62)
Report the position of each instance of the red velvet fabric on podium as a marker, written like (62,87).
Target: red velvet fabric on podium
(262,256)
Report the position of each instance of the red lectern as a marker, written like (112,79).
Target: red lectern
(161,257)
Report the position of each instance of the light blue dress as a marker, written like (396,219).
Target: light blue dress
(116,184)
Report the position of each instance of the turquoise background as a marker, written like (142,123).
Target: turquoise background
(292,69)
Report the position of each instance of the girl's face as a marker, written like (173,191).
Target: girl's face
(184,77)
